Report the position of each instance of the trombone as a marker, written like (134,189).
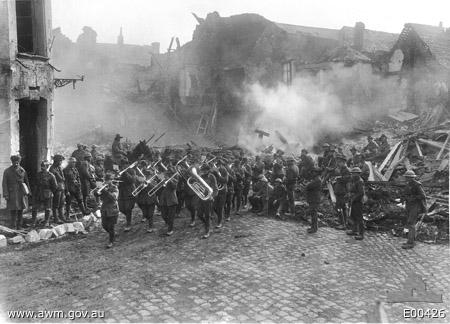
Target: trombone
(162,183)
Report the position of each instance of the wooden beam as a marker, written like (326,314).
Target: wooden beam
(433,144)
(419,150)
(438,157)
(394,163)
(371,174)
(388,157)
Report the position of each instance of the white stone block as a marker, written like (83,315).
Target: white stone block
(32,236)
(78,226)
(3,241)
(60,229)
(69,228)
(45,234)
(16,240)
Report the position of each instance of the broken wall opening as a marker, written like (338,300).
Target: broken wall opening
(30,21)
(32,135)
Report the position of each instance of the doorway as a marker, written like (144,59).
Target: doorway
(32,135)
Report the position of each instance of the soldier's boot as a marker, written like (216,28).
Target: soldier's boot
(47,217)
(55,216)
(61,215)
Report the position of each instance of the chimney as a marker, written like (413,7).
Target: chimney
(120,37)
(358,36)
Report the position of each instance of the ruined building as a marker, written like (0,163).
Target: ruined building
(26,83)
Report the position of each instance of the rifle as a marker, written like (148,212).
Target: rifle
(146,142)
(156,140)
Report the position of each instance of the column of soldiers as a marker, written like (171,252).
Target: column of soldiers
(266,188)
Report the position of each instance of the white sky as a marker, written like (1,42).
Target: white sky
(146,21)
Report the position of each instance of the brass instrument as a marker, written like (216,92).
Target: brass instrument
(162,183)
(131,166)
(102,187)
(153,180)
(193,180)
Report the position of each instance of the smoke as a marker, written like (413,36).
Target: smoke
(327,104)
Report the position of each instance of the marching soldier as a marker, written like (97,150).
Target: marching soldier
(147,204)
(291,180)
(16,190)
(109,209)
(126,187)
(230,190)
(415,198)
(313,189)
(205,206)
(59,193)
(73,186)
(168,202)
(46,185)
(356,194)
(191,202)
(221,176)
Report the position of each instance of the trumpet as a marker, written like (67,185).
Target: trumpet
(98,190)
(131,166)
(162,183)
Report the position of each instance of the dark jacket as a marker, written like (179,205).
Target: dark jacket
(13,180)
(415,196)
(239,178)
(127,185)
(313,189)
(222,179)
(169,194)
(109,195)
(45,186)
(305,166)
(279,192)
(340,187)
(231,180)
(291,175)
(57,171)
(73,183)
(356,191)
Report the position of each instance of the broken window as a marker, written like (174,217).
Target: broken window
(287,73)
(24,16)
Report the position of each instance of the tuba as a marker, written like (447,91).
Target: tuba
(193,180)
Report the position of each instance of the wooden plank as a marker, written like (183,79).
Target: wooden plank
(438,157)
(331,191)
(394,163)
(388,157)
(378,175)
(371,174)
(433,144)
(419,150)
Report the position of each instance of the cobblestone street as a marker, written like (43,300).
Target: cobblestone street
(255,269)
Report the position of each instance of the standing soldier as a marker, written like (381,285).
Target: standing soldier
(277,169)
(168,202)
(73,186)
(221,175)
(415,204)
(291,181)
(190,201)
(305,166)
(109,209)
(340,190)
(258,169)
(239,179)
(78,154)
(126,188)
(247,182)
(16,190)
(205,206)
(94,152)
(356,194)
(99,168)
(277,198)
(313,189)
(87,177)
(58,197)
(230,190)
(43,194)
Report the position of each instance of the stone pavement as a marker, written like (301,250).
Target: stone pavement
(256,269)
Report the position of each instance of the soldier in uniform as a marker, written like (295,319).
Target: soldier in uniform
(191,202)
(356,194)
(109,209)
(78,154)
(87,177)
(46,185)
(168,202)
(383,145)
(415,199)
(340,190)
(94,152)
(221,175)
(277,199)
(277,169)
(147,203)
(59,193)
(257,169)
(239,179)
(118,154)
(205,206)
(259,199)
(73,186)
(312,189)
(306,165)
(16,191)
(290,182)
(126,187)
(247,182)
(230,190)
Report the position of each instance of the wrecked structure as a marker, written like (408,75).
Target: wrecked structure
(26,83)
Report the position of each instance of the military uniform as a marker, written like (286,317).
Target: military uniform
(168,202)
(205,206)
(415,198)
(291,181)
(230,192)
(277,198)
(46,185)
(312,190)
(340,190)
(305,166)
(247,182)
(126,200)
(239,179)
(109,210)
(59,197)
(219,202)
(73,188)
(356,192)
